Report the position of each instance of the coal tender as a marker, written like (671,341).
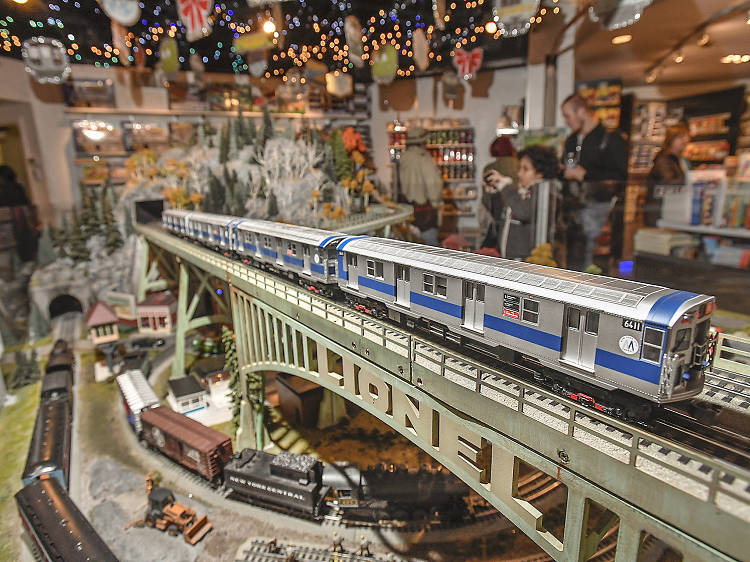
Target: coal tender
(286,480)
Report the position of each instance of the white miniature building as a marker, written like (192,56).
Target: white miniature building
(101,322)
(186,395)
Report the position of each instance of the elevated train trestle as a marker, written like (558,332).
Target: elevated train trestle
(481,423)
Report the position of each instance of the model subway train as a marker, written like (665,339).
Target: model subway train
(615,345)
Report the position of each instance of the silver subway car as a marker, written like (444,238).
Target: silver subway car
(614,334)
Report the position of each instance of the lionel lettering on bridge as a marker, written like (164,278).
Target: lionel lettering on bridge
(487,463)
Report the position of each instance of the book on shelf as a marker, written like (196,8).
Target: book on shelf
(662,241)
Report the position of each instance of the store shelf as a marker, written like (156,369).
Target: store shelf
(459,197)
(83,111)
(704,229)
(459,180)
(450,145)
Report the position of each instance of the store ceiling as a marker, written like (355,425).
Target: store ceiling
(661,27)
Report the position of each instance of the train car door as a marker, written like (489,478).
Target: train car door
(580,336)
(351,270)
(279,251)
(403,285)
(306,259)
(473,306)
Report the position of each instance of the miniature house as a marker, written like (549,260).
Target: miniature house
(157,313)
(101,322)
(210,372)
(299,400)
(186,395)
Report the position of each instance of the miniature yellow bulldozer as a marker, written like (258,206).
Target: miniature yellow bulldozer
(166,514)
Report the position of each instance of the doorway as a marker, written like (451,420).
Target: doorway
(581,333)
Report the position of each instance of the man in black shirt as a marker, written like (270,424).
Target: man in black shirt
(596,168)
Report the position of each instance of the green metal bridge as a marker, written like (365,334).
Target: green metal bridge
(480,423)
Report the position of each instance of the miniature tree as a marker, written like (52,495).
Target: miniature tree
(38,325)
(240,129)
(113,239)
(289,130)
(76,241)
(224,145)
(195,200)
(216,194)
(127,223)
(27,370)
(232,135)
(45,253)
(89,219)
(7,331)
(231,366)
(273,207)
(342,163)
(268,132)
(251,132)
(255,392)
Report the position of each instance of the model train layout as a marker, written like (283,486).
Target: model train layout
(619,346)
(297,484)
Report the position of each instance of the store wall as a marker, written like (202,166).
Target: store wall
(508,88)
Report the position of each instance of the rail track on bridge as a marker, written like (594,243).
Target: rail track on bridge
(655,484)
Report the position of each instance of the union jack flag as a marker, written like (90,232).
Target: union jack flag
(194,15)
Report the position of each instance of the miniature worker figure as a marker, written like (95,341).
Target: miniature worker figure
(524,215)
(364,547)
(273,545)
(338,543)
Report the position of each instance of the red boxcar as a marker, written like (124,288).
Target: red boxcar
(187,441)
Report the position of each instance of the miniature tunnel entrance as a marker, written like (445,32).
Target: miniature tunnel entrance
(62,304)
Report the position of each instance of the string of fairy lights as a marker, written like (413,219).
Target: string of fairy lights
(308,30)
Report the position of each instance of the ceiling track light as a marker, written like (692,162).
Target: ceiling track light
(679,57)
(704,40)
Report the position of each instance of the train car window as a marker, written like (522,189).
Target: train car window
(371,268)
(574,318)
(682,339)
(531,311)
(306,251)
(652,340)
(351,260)
(428,284)
(592,323)
(379,269)
(441,286)
(480,293)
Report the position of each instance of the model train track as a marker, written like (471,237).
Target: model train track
(261,551)
(727,386)
(720,442)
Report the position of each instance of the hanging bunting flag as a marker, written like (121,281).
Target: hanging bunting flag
(194,16)
(45,59)
(168,57)
(353,34)
(616,14)
(385,65)
(421,49)
(513,17)
(468,62)
(438,12)
(119,42)
(124,12)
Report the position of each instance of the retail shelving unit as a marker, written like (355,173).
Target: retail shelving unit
(452,148)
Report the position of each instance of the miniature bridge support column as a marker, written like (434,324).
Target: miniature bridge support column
(186,319)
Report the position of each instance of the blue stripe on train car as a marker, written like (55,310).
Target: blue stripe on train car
(331,270)
(317,268)
(342,272)
(294,261)
(526,333)
(343,243)
(269,253)
(662,310)
(327,240)
(376,285)
(216,237)
(631,367)
(251,247)
(439,305)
